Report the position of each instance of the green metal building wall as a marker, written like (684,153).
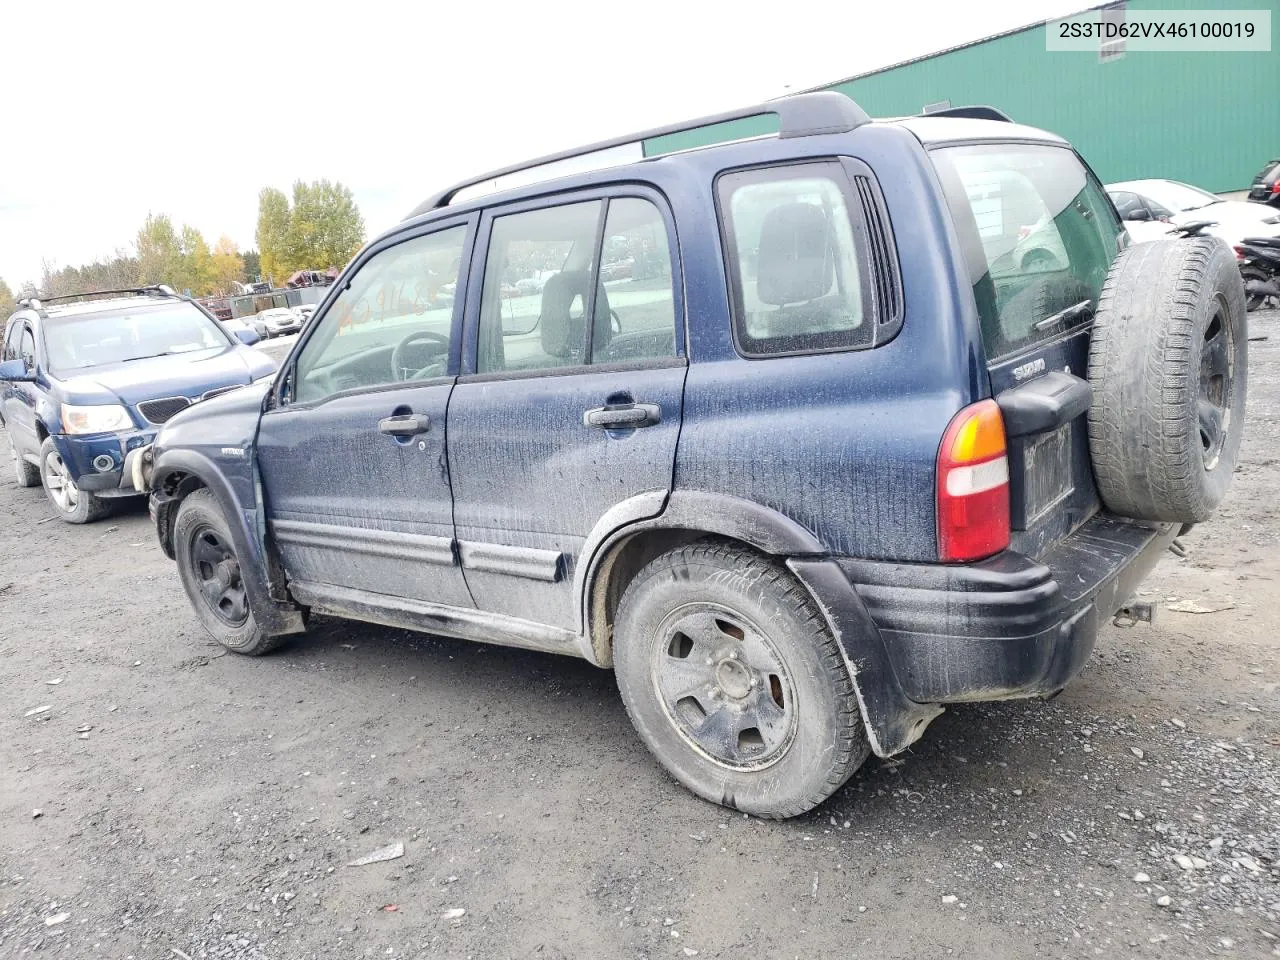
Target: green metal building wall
(1211,119)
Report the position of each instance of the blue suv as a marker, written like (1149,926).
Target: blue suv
(85,385)
(806,435)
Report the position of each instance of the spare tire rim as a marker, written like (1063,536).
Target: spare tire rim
(1213,400)
(724,686)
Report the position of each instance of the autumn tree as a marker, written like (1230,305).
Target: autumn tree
(252,265)
(195,264)
(159,251)
(326,229)
(273,234)
(8,302)
(228,266)
(322,228)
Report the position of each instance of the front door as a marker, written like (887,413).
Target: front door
(572,399)
(353,458)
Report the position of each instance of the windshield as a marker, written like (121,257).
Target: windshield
(1177,196)
(131,333)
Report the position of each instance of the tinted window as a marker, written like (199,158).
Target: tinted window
(392,324)
(147,329)
(1037,232)
(1128,205)
(11,341)
(794,263)
(636,291)
(540,281)
(27,347)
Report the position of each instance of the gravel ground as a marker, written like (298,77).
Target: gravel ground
(173,801)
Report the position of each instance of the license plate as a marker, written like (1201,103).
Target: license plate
(1048,472)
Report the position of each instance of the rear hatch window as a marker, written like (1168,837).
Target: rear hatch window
(1030,220)
(1038,235)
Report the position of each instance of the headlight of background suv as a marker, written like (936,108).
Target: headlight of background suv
(103,418)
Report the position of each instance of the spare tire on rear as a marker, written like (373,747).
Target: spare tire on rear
(1168,366)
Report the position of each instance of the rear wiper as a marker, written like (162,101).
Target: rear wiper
(1065,316)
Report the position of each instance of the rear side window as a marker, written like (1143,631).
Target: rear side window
(797,260)
(1037,232)
(550,269)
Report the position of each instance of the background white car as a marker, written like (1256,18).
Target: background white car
(1150,208)
(280,320)
(303,312)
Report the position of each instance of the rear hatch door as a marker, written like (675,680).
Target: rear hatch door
(1038,236)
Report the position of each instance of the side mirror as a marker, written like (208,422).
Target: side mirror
(16,371)
(1139,214)
(248,336)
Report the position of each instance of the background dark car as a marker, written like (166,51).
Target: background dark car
(1266,185)
(85,386)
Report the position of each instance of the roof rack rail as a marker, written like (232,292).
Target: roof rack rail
(971,113)
(161,288)
(800,115)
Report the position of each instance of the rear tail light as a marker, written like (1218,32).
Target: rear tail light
(1240,254)
(973,485)
(1275,187)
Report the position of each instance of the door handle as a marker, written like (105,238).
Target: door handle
(623,417)
(406,425)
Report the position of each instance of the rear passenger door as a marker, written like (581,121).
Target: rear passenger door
(570,400)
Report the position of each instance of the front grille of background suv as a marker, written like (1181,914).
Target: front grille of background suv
(164,409)
(159,411)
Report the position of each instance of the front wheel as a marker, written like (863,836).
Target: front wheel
(210,573)
(734,682)
(70,502)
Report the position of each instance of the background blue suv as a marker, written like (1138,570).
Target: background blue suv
(85,385)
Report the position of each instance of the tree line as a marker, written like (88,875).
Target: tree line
(320,229)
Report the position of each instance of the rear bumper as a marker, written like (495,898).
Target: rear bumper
(1009,626)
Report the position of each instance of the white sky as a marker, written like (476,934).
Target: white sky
(114,110)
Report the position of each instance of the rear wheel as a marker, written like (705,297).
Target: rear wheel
(70,502)
(733,681)
(209,569)
(27,474)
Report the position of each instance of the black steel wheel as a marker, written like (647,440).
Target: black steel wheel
(218,570)
(211,575)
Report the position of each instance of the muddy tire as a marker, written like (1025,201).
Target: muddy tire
(25,473)
(69,502)
(734,682)
(210,574)
(1168,365)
